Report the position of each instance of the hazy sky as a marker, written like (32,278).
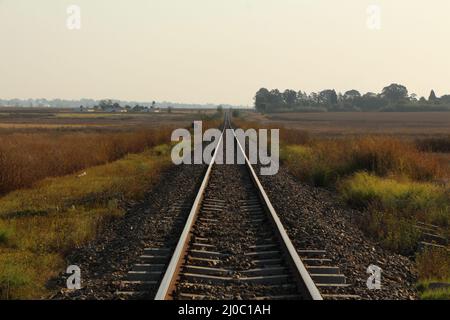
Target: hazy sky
(220,51)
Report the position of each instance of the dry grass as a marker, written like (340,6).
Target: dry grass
(397,181)
(435,144)
(40,225)
(434,268)
(49,208)
(324,162)
(28,158)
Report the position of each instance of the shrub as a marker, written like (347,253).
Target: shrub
(393,232)
(328,161)
(439,144)
(434,264)
(363,189)
(437,294)
(5,234)
(393,206)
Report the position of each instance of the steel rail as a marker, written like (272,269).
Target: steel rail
(170,277)
(303,274)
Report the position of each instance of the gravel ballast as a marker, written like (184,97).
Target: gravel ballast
(151,222)
(315,219)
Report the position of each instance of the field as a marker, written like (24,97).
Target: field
(394,167)
(13,119)
(63,175)
(400,124)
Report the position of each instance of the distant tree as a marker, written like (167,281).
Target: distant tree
(169,109)
(432,97)
(290,97)
(105,104)
(220,109)
(352,95)
(262,99)
(422,100)
(302,98)
(395,93)
(413,97)
(138,108)
(445,99)
(314,98)
(328,97)
(275,99)
(371,102)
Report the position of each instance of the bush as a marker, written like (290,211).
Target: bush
(5,234)
(434,264)
(441,144)
(328,161)
(364,189)
(393,232)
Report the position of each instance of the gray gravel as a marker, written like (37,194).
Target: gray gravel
(315,219)
(148,223)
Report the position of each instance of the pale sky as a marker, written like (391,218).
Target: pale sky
(220,51)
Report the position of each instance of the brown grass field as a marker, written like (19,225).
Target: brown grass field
(22,119)
(401,124)
(63,175)
(372,160)
(394,167)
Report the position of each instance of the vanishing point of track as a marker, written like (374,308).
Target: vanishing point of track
(233,246)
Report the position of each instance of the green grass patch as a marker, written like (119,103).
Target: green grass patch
(434,289)
(363,189)
(5,234)
(436,294)
(58,214)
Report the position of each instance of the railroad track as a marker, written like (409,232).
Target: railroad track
(233,246)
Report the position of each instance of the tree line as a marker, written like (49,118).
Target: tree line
(394,97)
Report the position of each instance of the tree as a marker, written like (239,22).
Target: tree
(328,97)
(262,99)
(275,99)
(371,102)
(314,98)
(445,99)
(105,104)
(432,97)
(290,97)
(352,95)
(395,92)
(302,98)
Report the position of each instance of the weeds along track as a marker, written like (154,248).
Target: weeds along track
(233,246)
